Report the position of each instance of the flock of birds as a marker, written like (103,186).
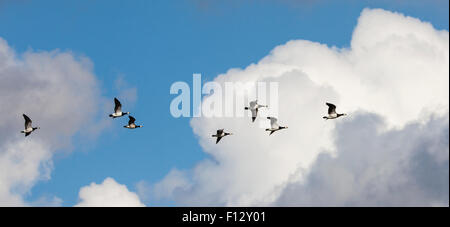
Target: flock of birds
(254,106)
(117,113)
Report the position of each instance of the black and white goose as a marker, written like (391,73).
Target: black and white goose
(118,109)
(254,106)
(220,134)
(131,124)
(274,125)
(332,112)
(28,127)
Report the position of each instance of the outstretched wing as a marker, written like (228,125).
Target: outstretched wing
(27,133)
(218,139)
(273,122)
(117,106)
(331,108)
(27,121)
(131,121)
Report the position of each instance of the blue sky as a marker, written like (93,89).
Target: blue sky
(152,44)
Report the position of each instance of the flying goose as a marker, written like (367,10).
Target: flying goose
(28,127)
(220,134)
(118,109)
(254,108)
(274,125)
(131,124)
(332,112)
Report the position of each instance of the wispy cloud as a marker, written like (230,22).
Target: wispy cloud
(126,92)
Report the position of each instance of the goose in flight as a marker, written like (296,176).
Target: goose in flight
(118,109)
(274,125)
(220,134)
(28,127)
(131,124)
(332,112)
(254,108)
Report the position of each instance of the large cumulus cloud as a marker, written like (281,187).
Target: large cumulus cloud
(60,93)
(374,167)
(396,68)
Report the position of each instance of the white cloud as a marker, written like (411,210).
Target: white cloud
(397,67)
(108,194)
(60,93)
(407,167)
(22,163)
